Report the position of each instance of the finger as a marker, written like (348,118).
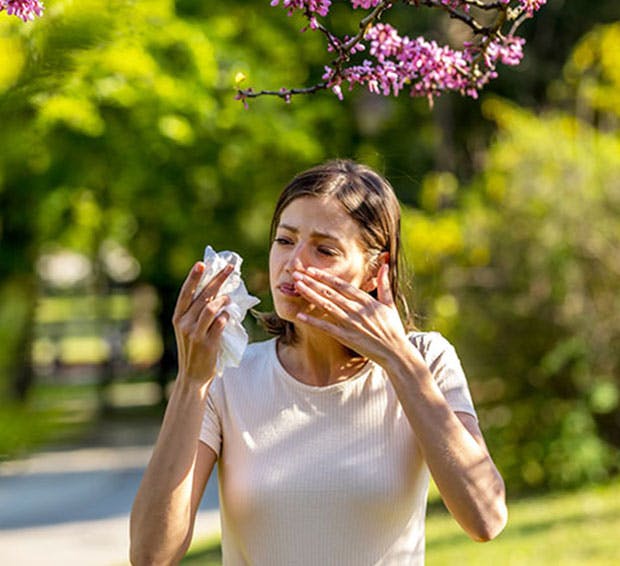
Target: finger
(384,290)
(217,327)
(322,324)
(325,290)
(338,332)
(214,335)
(321,301)
(348,290)
(210,290)
(213,285)
(188,289)
(209,313)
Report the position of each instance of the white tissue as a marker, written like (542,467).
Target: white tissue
(234,338)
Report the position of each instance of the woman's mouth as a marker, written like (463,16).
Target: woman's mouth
(288,289)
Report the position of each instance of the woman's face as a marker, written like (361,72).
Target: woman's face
(314,232)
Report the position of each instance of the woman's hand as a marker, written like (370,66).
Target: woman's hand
(371,327)
(197,325)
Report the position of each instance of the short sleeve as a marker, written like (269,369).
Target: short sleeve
(211,430)
(446,369)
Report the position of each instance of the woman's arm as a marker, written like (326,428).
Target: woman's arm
(163,513)
(165,506)
(453,446)
(452,443)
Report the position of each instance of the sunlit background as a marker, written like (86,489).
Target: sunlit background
(123,153)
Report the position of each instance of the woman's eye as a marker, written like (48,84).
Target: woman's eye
(282,241)
(327,251)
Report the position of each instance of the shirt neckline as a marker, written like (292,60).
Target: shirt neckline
(317,389)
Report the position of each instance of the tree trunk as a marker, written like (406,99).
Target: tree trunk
(18,300)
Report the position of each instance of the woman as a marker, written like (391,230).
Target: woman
(325,434)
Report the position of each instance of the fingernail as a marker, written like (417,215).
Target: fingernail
(199,267)
(312,270)
(297,275)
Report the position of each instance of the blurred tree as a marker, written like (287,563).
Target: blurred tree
(463,131)
(545,308)
(120,123)
(524,276)
(591,82)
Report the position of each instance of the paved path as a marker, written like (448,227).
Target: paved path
(71,507)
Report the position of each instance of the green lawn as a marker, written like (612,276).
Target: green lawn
(575,528)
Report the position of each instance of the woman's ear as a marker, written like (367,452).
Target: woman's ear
(370,284)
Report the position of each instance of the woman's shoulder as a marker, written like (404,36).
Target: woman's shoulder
(261,350)
(434,347)
(428,342)
(254,366)
(256,355)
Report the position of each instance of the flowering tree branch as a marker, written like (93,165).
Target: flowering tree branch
(394,62)
(24,9)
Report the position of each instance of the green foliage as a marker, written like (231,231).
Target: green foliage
(119,127)
(24,428)
(592,73)
(52,415)
(524,275)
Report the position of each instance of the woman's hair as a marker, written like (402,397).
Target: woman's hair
(370,201)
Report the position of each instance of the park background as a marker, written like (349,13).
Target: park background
(123,152)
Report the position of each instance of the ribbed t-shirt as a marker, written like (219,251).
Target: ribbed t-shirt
(319,476)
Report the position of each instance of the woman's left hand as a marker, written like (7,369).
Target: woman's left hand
(370,327)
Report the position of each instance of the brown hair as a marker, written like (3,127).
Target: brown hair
(370,200)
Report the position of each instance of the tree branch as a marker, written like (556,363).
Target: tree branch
(400,60)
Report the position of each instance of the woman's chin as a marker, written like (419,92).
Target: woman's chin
(288,314)
(288,310)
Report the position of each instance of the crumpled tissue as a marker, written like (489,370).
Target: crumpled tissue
(234,337)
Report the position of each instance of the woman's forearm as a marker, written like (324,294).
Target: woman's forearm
(162,515)
(470,485)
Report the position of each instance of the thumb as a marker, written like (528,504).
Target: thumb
(384,292)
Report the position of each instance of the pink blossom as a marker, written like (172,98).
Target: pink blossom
(509,51)
(456,4)
(425,67)
(394,63)
(366,4)
(531,6)
(320,7)
(24,9)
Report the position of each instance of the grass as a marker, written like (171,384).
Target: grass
(204,553)
(572,528)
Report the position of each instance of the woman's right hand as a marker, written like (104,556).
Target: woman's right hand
(198,327)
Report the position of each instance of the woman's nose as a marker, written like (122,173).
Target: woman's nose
(296,260)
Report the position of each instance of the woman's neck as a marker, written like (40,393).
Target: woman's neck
(316,359)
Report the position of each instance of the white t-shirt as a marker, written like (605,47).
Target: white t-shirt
(322,475)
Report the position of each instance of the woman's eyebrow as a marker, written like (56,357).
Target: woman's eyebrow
(314,233)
